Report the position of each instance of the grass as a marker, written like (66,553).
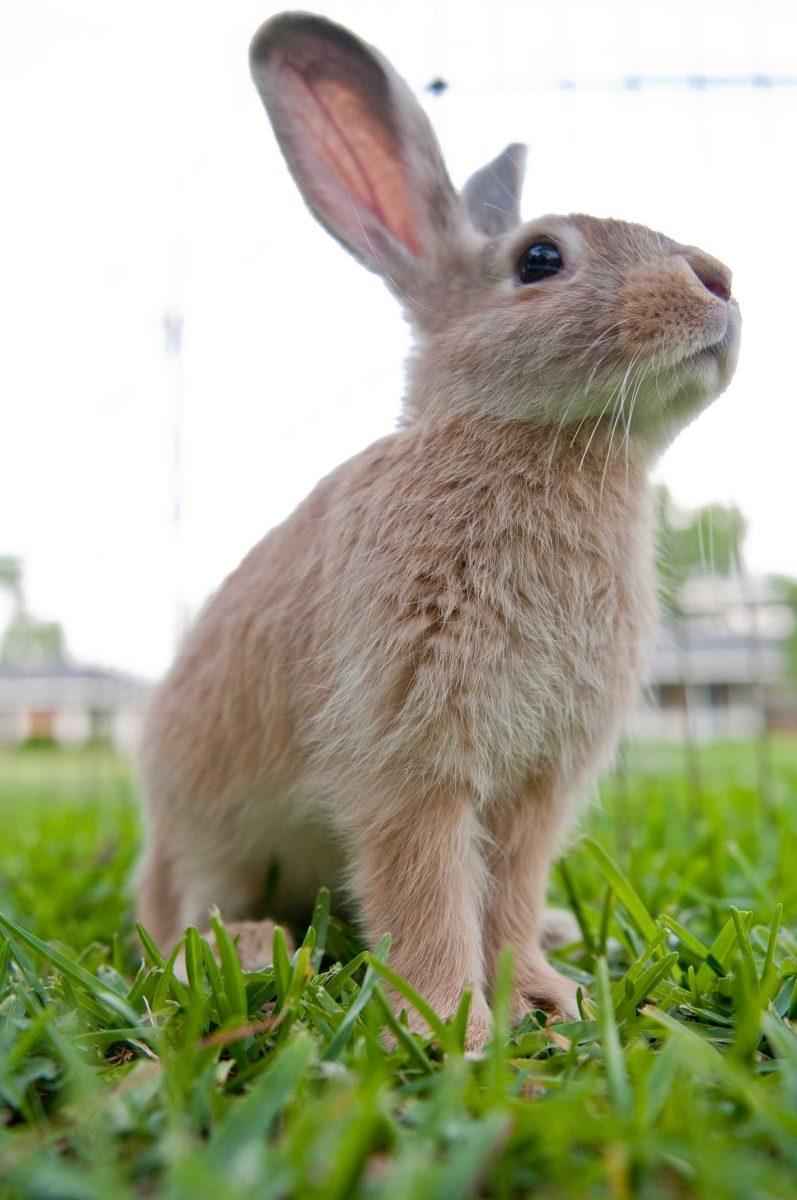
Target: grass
(116,1080)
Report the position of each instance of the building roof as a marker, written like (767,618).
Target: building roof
(51,685)
(689,655)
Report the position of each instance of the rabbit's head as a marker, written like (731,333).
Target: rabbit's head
(558,321)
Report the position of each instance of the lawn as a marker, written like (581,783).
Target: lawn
(117,1080)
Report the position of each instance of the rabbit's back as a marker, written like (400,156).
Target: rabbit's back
(224,719)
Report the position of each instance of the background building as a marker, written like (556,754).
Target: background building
(70,704)
(45,695)
(722,665)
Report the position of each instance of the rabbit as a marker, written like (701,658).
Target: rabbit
(406,688)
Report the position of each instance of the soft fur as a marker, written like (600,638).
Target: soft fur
(406,687)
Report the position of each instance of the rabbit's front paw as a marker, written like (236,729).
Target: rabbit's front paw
(480,1026)
(478,1029)
(543,987)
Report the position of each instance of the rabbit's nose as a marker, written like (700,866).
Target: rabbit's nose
(715,284)
(713,274)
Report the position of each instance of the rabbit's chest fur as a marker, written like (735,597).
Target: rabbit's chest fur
(488,598)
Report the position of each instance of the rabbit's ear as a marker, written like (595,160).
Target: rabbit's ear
(358,144)
(492,194)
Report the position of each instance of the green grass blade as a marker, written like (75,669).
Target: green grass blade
(402,1035)
(719,951)
(750,971)
(692,943)
(151,952)
(194,962)
(623,889)
(576,904)
(320,923)
(253,1115)
(376,963)
(230,967)
(109,1000)
(282,963)
(613,1057)
(769,980)
(413,997)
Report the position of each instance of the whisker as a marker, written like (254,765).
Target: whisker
(620,407)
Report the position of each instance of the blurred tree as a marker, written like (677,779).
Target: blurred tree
(11,577)
(30,642)
(709,541)
(26,640)
(786,591)
(701,541)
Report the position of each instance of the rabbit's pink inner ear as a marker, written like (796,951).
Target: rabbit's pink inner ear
(350,162)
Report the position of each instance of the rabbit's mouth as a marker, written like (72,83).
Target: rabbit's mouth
(718,351)
(705,354)
(675,387)
(703,374)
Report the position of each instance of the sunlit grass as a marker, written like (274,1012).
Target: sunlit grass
(118,1080)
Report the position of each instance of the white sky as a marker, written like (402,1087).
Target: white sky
(139,176)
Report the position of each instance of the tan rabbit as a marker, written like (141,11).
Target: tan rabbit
(406,687)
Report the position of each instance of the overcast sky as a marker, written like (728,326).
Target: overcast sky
(140,178)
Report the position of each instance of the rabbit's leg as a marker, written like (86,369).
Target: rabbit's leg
(559,927)
(157,901)
(179,882)
(231,883)
(421,878)
(525,839)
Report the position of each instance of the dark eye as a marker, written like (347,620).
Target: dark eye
(540,261)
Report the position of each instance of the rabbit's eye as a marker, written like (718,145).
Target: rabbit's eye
(540,261)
